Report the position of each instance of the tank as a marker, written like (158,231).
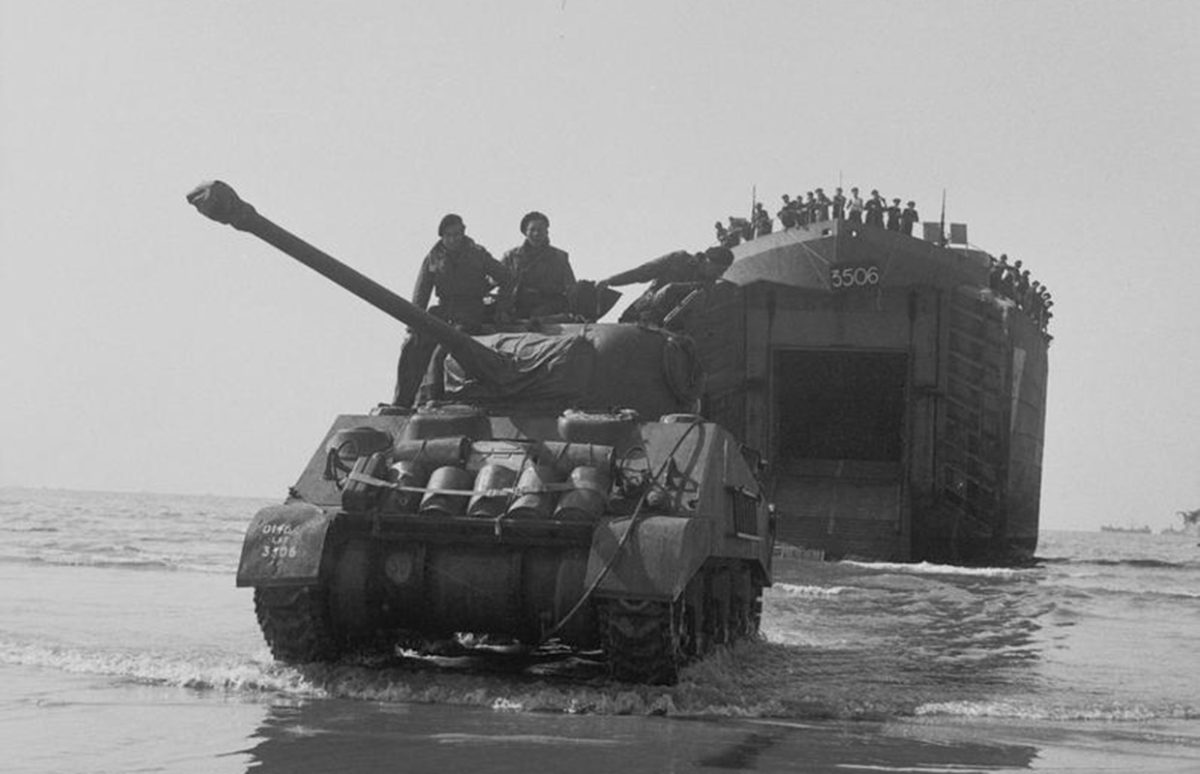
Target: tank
(563,492)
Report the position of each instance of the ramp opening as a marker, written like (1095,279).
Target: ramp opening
(840,405)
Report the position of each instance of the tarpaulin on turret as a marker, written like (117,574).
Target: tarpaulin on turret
(537,367)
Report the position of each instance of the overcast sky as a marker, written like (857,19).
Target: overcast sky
(146,348)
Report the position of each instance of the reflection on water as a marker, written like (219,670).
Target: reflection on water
(322,736)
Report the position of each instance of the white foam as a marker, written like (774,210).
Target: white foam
(928,568)
(791,590)
(527,739)
(1019,711)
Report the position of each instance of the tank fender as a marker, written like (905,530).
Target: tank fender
(283,546)
(656,562)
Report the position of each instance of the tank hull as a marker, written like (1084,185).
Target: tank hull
(348,565)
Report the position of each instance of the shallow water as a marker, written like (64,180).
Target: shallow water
(124,645)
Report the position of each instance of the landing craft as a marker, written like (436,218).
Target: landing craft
(563,491)
(900,398)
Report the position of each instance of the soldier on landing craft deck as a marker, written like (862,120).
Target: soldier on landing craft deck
(839,204)
(822,205)
(874,207)
(787,213)
(854,207)
(762,220)
(908,218)
(893,216)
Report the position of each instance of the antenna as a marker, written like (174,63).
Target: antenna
(942,222)
(753,200)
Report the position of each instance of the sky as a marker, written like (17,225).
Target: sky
(146,348)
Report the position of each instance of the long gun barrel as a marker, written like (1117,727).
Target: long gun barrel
(218,201)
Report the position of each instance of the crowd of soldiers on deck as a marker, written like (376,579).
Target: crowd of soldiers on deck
(816,207)
(1011,281)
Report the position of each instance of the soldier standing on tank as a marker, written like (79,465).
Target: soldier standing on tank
(463,273)
(541,273)
(908,218)
(680,270)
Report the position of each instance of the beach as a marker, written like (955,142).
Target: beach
(124,646)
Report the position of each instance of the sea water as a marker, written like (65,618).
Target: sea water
(125,646)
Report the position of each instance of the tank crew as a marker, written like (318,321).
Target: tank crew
(874,208)
(854,207)
(542,279)
(893,215)
(908,217)
(839,204)
(672,277)
(463,273)
(762,220)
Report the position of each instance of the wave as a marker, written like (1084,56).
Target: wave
(545,739)
(1134,562)
(1135,712)
(148,564)
(928,568)
(792,590)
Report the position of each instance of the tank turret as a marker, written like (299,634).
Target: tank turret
(518,510)
(572,365)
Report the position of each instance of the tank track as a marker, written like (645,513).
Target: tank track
(643,641)
(297,625)
(649,641)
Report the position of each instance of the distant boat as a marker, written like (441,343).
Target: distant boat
(1143,530)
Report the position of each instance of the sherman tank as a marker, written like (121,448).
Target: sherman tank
(562,492)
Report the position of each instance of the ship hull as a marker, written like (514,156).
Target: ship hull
(901,404)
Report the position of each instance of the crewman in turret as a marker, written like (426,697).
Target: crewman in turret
(672,277)
(541,273)
(463,273)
